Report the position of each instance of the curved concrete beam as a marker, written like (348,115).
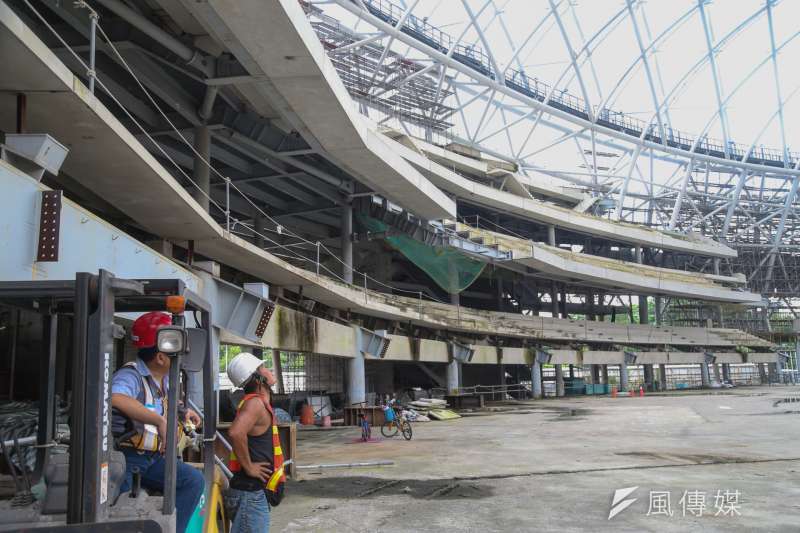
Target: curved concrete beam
(291,73)
(539,211)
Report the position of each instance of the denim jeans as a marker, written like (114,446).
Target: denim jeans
(252,511)
(189,482)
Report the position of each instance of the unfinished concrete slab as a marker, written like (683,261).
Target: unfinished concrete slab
(540,211)
(502,472)
(604,271)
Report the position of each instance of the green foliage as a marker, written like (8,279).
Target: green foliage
(228,351)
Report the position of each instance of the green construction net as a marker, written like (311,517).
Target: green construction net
(452,270)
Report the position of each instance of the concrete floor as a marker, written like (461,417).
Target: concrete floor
(554,465)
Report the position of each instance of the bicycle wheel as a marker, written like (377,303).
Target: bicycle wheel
(405,427)
(389,429)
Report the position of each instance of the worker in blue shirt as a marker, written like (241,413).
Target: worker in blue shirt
(139,399)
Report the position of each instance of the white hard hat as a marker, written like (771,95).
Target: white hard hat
(242,367)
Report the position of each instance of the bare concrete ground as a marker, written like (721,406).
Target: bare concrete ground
(554,465)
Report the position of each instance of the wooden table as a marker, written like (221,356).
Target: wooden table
(374,415)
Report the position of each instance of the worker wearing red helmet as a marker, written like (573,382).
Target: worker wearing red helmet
(139,399)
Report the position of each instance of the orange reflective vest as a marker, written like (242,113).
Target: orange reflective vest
(278,475)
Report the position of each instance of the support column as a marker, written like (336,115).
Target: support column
(499,283)
(453,376)
(726,371)
(258,225)
(772,368)
(623,376)
(648,377)
(536,379)
(356,377)
(717,374)
(278,368)
(659,310)
(201,170)
(704,377)
(551,235)
(553,299)
(455,299)
(559,380)
(762,373)
(604,373)
(347,243)
(564,301)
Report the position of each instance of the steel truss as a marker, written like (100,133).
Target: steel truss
(741,193)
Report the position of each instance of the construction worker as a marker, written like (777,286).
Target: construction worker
(139,401)
(257,459)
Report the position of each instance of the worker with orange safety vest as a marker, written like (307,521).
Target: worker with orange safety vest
(257,458)
(139,421)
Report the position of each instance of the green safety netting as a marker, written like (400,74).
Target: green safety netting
(452,270)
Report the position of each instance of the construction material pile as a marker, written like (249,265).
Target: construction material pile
(425,409)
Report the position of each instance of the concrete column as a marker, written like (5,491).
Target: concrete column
(551,235)
(762,373)
(258,225)
(704,377)
(717,374)
(662,376)
(278,368)
(659,310)
(604,373)
(356,376)
(648,377)
(455,299)
(564,301)
(559,380)
(772,368)
(590,306)
(501,371)
(453,376)
(726,371)
(201,170)
(553,299)
(347,243)
(623,376)
(536,379)
(499,283)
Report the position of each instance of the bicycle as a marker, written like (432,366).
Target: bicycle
(395,422)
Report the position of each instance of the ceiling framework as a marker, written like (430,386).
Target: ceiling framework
(731,189)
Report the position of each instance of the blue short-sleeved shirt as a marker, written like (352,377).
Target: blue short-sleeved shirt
(128,382)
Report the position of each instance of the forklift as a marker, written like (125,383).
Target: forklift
(79,490)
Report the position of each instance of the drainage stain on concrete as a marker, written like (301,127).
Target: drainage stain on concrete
(347,487)
(691,458)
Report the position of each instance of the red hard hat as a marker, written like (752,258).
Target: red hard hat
(143,332)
